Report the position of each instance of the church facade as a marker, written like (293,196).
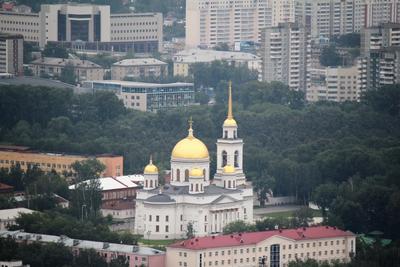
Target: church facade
(192,198)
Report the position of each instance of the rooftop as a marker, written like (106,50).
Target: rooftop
(243,239)
(141,84)
(82,244)
(114,183)
(200,55)
(55,61)
(13,213)
(139,62)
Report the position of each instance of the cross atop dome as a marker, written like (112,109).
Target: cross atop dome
(230,121)
(190,121)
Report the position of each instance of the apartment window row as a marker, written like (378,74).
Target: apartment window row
(134,23)
(48,165)
(314,244)
(229,261)
(19,22)
(133,31)
(133,38)
(314,253)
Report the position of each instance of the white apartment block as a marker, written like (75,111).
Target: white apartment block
(334,84)
(210,22)
(137,68)
(269,248)
(282,11)
(285,53)
(86,26)
(183,60)
(381,11)
(11,54)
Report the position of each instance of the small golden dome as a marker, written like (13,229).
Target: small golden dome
(230,122)
(150,168)
(190,147)
(196,172)
(229,169)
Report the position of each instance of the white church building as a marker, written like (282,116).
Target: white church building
(164,212)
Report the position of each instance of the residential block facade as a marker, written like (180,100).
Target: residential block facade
(269,248)
(61,163)
(138,68)
(11,54)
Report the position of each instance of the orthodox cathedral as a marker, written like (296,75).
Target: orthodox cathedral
(191,198)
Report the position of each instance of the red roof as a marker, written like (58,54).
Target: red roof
(243,239)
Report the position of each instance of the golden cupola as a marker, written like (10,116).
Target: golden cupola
(190,147)
(150,168)
(230,121)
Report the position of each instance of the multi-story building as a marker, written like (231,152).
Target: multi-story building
(11,54)
(8,216)
(147,96)
(138,68)
(185,59)
(334,84)
(59,162)
(135,255)
(269,248)
(379,63)
(285,53)
(88,27)
(53,67)
(377,12)
(209,23)
(282,11)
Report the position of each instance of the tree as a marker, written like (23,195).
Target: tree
(262,185)
(189,231)
(86,197)
(330,57)
(68,74)
(222,47)
(55,50)
(323,196)
(303,217)
(238,227)
(385,99)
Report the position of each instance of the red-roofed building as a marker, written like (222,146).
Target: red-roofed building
(272,248)
(6,189)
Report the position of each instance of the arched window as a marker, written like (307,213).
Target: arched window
(146,183)
(186,175)
(191,187)
(234,135)
(236,158)
(224,158)
(229,184)
(234,184)
(178,175)
(201,187)
(151,183)
(225,134)
(197,187)
(204,174)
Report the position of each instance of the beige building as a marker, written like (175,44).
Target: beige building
(52,66)
(11,54)
(269,248)
(209,23)
(8,216)
(87,27)
(61,163)
(183,60)
(334,84)
(137,68)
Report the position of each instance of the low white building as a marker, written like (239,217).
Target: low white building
(8,216)
(13,263)
(138,68)
(190,198)
(184,59)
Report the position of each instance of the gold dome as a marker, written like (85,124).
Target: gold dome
(230,122)
(196,172)
(150,168)
(229,169)
(190,147)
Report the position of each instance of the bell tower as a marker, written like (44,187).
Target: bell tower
(230,146)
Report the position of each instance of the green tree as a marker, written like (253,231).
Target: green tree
(68,74)
(55,50)
(190,231)
(238,227)
(323,196)
(330,57)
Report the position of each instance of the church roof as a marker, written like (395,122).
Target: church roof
(243,239)
(160,198)
(212,189)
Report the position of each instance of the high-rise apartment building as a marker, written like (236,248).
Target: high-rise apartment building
(86,26)
(282,11)
(379,63)
(11,54)
(285,52)
(333,84)
(381,11)
(209,23)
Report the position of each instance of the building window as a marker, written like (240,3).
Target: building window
(224,158)
(274,255)
(166,228)
(186,175)
(166,218)
(149,218)
(236,159)
(178,175)
(157,228)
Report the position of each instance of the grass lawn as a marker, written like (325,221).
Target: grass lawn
(286,214)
